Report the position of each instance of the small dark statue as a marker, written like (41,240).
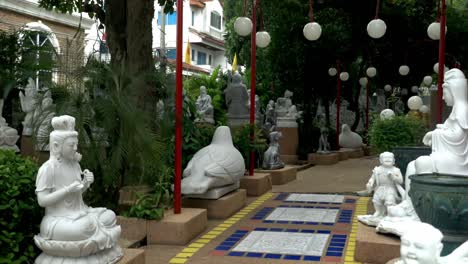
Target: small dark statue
(324,146)
(271,158)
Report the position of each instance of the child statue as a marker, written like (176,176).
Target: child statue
(71,232)
(271,157)
(324,146)
(386,183)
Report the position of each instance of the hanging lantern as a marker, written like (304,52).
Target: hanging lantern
(387,88)
(427,80)
(424,109)
(387,114)
(415,102)
(436,68)
(344,76)
(363,81)
(332,71)
(433,30)
(414,89)
(376,28)
(404,92)
(312,31)
(403,70)
(371,72)
(263,39)
(243,26)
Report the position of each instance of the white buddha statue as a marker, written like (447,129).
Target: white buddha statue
(71,232)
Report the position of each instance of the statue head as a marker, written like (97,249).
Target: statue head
(324,131)
(236,78)
(271,103)
(421,244)
(387,159)
(275,136)
(455,87)
(64,139)
(288,94)
(202,90)
(345,128)
(222,136)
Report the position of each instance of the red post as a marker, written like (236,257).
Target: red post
(253,74)
(443,22)
(338,103)
(178,112)
(367,105)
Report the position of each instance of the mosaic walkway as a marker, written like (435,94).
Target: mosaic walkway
(283,228)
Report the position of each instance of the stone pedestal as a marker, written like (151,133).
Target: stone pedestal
(372,247)
(133,256)
(289,141)
(133,231)
(323,159)
(281,176)
(257,184)
(355,153)
(177,229)
(221,208)
(393,261)
(27,146)
(289,159)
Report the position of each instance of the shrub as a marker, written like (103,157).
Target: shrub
(384,135)
(20,214)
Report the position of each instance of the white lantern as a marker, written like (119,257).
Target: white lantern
(415,102)
(376,28)
(371,72)
(263,39)
(404,91)
(387,114)
(387,88)
(433,30)
(312,31)
(436,68)
(427,80)
(243,26)
(363,81)
(424,109)
(332,71)
(414,89)
(403,70)
(344,76)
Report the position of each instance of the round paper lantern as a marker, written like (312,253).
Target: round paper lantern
(263,39)
(332,71)
(424,109)
(414,89)
(312,31)
(387,114)
(371,72)
(403,70)
(363,81)
(433,30)
(404,92)
(427,80)
(344,76)
(376,28)
(415,102)
(387,88)
(436,68)
(243,26)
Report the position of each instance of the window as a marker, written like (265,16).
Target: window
(171,19)
(193,18)
(193,55)
(171,54)
(209,59)
(201,58)
(215,20)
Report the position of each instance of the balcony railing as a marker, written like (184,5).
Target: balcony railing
(216,33)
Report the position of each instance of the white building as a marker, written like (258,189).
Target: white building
(203,27)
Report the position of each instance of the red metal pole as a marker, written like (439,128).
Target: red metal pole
(338,104)
(367,104)
(253,74)
(178,112)
(443,21)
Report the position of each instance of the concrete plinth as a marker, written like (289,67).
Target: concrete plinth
(393,261)
(221,208)
(177,229)
(257,184)
(133,256)
(27,146)
(367,150)
(323,159)
(372,247)
(133,231)
(281,176)
(355,153)
(289,159)
(289,141)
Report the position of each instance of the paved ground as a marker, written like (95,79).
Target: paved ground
(227,241)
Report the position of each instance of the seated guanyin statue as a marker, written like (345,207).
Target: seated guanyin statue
(71,232)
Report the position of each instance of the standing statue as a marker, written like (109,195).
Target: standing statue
(71,232)
(381,102)
(386,183)
(271,157)
(42,118)
(216,165)
(449,140)
(204,107)
(324,146)
(237,97)
(270,117)
(28,104)
(422,244)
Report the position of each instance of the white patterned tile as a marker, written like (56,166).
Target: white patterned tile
(284,243)
(324,198)
(304,214)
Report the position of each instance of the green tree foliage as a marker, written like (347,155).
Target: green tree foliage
(20,214)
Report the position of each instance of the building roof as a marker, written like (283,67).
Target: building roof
(199,3)
(190,67)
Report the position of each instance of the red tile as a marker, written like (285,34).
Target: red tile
(218,253)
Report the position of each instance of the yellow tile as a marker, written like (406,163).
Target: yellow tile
(184,255)
(225,225)
(203,241)
(230,222)
(214,233)
(208,236)
(196,245)
(349,258)
(219,229)
(190,250)
(177,260)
